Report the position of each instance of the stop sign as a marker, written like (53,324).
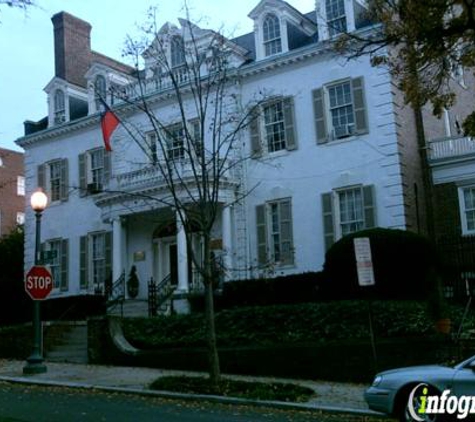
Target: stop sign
(38,282)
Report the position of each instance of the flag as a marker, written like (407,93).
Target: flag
(109,121)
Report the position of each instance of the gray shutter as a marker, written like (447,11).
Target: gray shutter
(108,253)
(361,119)
(286,235)
(82,175)
(319,112)
(261,225)
(64,180)
(107,166)
(256,145)
(290,138)
(369,207)
(64,264)
(41,173)
(83,262)
(328,219)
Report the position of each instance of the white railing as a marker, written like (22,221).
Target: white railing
(153,176)
(451,147)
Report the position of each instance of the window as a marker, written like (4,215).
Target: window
(467,209)
(59,107)
(55,252)
(20,186)
(95,260)
(277,127)
(340,110)
(336,19)
(177,51)
(94,171)
(100,92)
(274,233)
(346,211)
(53,179)
(20,218)
(175,138)
(271,32)
(151,141)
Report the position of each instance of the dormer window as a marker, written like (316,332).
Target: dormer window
(100,91)
(271,32)
(177,51)
(336,17)
(59,107)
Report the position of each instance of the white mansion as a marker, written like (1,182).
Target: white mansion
(336,144)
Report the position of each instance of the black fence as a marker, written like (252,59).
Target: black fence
(458,259)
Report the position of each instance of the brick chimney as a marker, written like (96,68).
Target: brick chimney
(72,48)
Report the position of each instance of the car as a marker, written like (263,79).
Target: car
(404,393)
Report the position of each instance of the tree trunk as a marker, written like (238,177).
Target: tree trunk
(213,357)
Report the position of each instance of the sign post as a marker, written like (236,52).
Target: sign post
(38,282)
(364,267)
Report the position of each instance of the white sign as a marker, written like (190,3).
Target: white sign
(364,263)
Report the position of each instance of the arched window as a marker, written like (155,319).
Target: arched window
(59,107)
(271,31)
(177,51)
(100,91)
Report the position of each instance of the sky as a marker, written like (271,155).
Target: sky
(27,49)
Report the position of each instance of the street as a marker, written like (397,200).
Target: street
(54,404)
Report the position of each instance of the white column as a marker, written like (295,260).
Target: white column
(227,241)
(182,256)
(117,245)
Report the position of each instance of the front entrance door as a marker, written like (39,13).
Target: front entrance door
(173,263)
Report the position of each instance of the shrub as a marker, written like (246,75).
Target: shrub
(405,266)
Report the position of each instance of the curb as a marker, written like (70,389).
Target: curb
(196,397)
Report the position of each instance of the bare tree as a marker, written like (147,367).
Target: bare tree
(199,151)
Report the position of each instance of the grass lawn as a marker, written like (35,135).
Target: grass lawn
(232,388)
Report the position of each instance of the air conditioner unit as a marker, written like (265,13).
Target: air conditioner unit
(343,131)
(93,188)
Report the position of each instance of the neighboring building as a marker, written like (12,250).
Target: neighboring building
(12,190)
(338,144)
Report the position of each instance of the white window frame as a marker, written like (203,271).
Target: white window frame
(175,144)
(20,185)
(55,264)
(463,209)
(97,259)
(348,128)
(100,92)
(333,21)
(20,218)
(54,191)
(339,212)
(95,171)
(275,126)
(59,106)
(275,245)
(271,37)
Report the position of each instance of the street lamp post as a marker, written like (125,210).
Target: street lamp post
(35,364)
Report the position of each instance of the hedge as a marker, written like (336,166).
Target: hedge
(283,324)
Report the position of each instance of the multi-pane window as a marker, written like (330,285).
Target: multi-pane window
(336,18)
(100,92)
(151,141)
(177,51)
(59,107)
(274,233)
(97,167)
(274,126)
(350,203)
(54,247)
(271,32)
(175,136)
(98,259)
(467,207)
(20,186)
(346,211)
(55,180)
(341,109)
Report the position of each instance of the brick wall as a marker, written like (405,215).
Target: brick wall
(72,48)
(446,211)
(10,201)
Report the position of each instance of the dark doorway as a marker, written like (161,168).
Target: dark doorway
(173,256)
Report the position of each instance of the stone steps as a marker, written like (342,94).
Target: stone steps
(70,346)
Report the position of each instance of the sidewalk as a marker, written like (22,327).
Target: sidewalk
(329,396)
